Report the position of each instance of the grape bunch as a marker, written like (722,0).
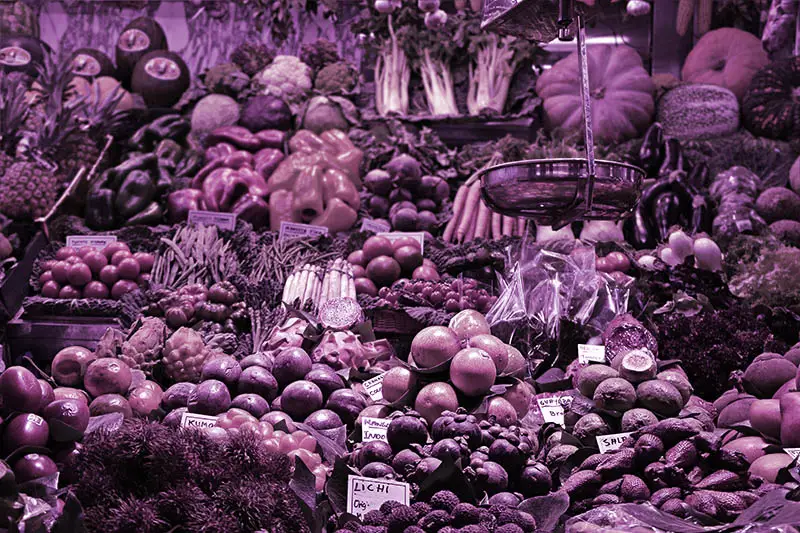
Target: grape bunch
(444,513)
(452,295)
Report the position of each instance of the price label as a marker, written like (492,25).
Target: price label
(374,387)
(794,452)
(552,408)
(98,242)
(609,443)
(416,235)
(366,494)
(226,221)
(192,420)
(374,429)
(375,226)
(591,353)
(293,230)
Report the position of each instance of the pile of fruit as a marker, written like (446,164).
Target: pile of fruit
(382,261)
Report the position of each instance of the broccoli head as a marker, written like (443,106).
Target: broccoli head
(319,54)
(336,78)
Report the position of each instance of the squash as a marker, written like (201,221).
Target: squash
(770,107)
(697,111)
(621,91)
(727,57)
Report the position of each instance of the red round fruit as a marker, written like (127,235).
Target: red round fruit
(26,429)
(59,271)
(365,286)
(51,289)
(425,272)
(377,246)
(359,271)
(83,250)
(64,252)
(34,466)
(406,241)
(69,393)
(145,261)
(68,419)
(109,275)
(618,261)
(45,276)
(123,287)
(473,372)
(68,292)
(71,260)
(383,270)
(69,365)
(95,260)
(433,346)
(409,257)
(20,390)
(357,258)
(107,376)
(113,248)
(95,289)
(143,401)
(79,274)
(602,265)
(128,268)
(47,394)
(119,256)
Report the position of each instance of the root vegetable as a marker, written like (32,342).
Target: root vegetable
(458,211)
(333,288)
(470,208)
(344,282)
(521,226)
(508,226)
(497,225)
(482,224)
(473,224)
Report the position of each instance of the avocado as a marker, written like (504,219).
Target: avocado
(140,36)
(89,63)
(161,78)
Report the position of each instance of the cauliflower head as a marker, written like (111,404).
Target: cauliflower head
(288,78)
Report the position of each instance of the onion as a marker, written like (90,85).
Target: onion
(50,289)
(68,292)
(60,271)
(95,289)
(119,256)
(384,6)
(681,244)
(96,261)
(669,256)
(66,251)
(707,254)
(128,268)
(435,20)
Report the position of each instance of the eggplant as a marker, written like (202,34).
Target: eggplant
(651,153)
(673,158)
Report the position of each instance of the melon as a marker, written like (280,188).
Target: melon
(697,111)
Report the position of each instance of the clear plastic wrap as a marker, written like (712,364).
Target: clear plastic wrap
(735,191)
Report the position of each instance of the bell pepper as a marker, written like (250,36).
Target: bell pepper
(236,135)
(163,180)
(271,138)
(219,150)
(222,188)
(189,165)
(113,177)
(171,126)
(137,190)
(253,209)
(169,154)
(256,185)
(149,216)
(100,208)
(266,161)
(179,203)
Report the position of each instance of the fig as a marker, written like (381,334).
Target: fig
(435,398)
(20,390)
(291,364)
(26,429)
(434,345)
(107,376)
(472,371)
(211,397)
(67,419)
(469,323)
(69,365)
(110,403)
(300,399)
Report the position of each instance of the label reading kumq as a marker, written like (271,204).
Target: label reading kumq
(193,420)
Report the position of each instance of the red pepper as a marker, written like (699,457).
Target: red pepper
(267,160)
(179,203)
(235,135)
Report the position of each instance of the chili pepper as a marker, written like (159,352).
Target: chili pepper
(179,203)
(169,154)
(651,153)
(235,135)
(137,190)
(673,157)
(189,165)
(167,127)
(100,209)
(266,161)
(149,216)
(219,150)
(271,138)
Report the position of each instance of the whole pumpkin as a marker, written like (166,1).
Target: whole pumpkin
(620,88)
(770,107)
(727,57)
(698,111)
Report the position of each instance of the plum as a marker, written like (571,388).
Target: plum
(107,376)
(67,419)
(347,404)
(291,364)
(26,429)
(110,403)
(143,401)
(327,380)
(69,365)
(277,416)
(20,390)
(67,393)
(33,466)
(177,395)
(258,380)
(252,403)
(324,419)
(211,397)
(223,368)
(300,399)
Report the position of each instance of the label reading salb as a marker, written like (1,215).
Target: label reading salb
(374,429)
(98,242)
(375,226)
(374,387)
(293,230)
(416,235)
(552,408)
(591,353)
(192,420)
(226,221)
(793,452)
(366,494)
(609,443)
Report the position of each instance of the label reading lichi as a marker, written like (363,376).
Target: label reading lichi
(591,353)
(609,443)
(366,494)
(374,387)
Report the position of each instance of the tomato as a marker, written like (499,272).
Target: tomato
(113,248)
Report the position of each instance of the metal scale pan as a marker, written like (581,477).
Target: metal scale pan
(555,192)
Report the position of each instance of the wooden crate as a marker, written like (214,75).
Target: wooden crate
(394,322)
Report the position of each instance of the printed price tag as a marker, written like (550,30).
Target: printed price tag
(293,230)
(375,226)
(416,235)
(794,452)
(192,420)
(366,494)
(226,221)
(374,387)
(552,408)
(591,353)
(609,443)
(98,242)
(374,429)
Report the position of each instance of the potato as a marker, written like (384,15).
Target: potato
(768,466)
(765,417)
(790,419)
(765,376)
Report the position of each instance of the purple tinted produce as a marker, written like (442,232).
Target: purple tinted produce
(34,466)
(107,376)
(324,419)
(434,187)
(25,430)
(47,394)
(377,471)
(378,182)
(507,455)
(535,480)
(378,207)
(406,430)
(347,404)
(144,401)
(491,477)
(276,403)
(626,333)
(277,416)
(177,395)
(67,419)
(405,461)
(375,451)
(258,380)
(173,419)
(447,449)
(406,170)
(69,365)
(225,369)
(210,398)
(326,379)
(300,399)
(504,498)
(252,403)
(20,390)
(291,365)
(424,468)
(110,403)
(261,359)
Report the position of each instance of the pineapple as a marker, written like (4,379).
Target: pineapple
(18,17)
(13,112)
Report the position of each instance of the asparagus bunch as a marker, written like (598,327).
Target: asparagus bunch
(319,284)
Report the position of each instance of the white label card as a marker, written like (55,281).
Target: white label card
(416,235)
(193,420)
(591,353)
(609,443)
(374,429)
(375,226)
(293,230)
(552,408)
(366,494)
(794,452)
(226,221)
(374,387)
(98,242)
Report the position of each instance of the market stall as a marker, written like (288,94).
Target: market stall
(399,266)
